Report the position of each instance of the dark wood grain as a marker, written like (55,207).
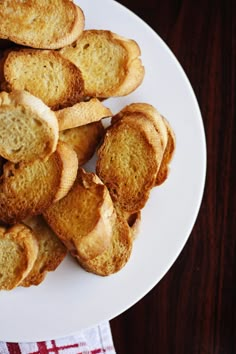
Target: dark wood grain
(193,309)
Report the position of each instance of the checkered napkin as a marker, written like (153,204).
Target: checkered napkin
(93,340)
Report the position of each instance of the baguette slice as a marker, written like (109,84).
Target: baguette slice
(45,74)
(128,161)
(18,252)
(168,154)
(162,127)
(116,255)
(150,113)
(84,140)
(51,251)
(28,189)
(109,63)
(82,113)
(28,128)
(83,219)
(40,23)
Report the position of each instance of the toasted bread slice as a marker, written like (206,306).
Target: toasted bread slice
(151,113)
(168,154)
(84,140)
(18,252)
(28,189)
(51,251)
(45,74)
(128,161)
(162,127)
(116,255)
(40,23)
(83,219)
(28,128)
(109,63)
(82,113)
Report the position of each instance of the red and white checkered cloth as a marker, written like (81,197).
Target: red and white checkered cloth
(93,340)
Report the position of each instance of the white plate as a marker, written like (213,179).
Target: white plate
(71,299)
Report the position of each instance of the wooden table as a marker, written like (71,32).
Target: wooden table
(193,309)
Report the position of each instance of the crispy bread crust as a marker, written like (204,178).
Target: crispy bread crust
(82,113)
(25,254)
(168,154)
(69,169)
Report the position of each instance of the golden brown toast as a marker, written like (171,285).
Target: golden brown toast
(28,189)
(116,255)
(82,113)
(28,128)
(51,251)
(84,140)
(109,63)
(18,252)
(151,113)
(45,74)
(83,219)
(128,161)
(40,23)
(162,127)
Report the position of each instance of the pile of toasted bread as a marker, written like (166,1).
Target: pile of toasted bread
(54,79)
